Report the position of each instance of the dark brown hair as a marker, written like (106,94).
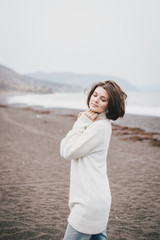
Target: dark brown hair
(117,97)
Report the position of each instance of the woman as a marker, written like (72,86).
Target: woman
(86,145)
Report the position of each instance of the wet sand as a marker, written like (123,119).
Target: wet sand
(34,179)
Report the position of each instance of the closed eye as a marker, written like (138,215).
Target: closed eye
(95,95)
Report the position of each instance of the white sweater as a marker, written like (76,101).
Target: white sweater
(86,145)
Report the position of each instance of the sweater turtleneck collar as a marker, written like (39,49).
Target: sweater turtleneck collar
(102,115)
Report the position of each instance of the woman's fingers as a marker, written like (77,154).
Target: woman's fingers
(92,115)
(79,114)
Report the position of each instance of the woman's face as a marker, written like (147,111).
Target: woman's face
(99,100)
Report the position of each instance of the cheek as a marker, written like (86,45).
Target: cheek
(104,105)
(90,99)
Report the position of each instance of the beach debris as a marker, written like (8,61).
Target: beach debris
(23,163)
(3,106)
(40,111)
(137,134)
(38,116)
(116,217)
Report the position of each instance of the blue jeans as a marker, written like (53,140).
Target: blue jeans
(72,234)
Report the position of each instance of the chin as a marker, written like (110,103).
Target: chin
(94,109)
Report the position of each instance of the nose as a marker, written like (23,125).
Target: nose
(96,99)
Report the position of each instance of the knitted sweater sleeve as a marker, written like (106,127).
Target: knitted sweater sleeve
(82,139)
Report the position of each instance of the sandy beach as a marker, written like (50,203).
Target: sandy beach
(34,179)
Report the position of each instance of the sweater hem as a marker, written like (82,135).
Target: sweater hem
(87,227)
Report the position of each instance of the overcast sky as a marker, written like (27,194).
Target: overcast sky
(115,37)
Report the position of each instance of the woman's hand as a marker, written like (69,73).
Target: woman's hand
(92,115)
(80,114)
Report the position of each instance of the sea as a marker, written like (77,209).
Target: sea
(138,103)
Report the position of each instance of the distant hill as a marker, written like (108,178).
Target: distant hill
(13,82)
(83,80)
(40,82)
(150,88)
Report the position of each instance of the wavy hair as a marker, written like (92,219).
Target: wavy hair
(117,97)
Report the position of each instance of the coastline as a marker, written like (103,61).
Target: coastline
(148,122)
(134,127)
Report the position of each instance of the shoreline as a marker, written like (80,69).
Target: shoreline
(131,127)
(146,122)
(149,112)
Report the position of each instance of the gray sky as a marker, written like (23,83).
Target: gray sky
(115,37)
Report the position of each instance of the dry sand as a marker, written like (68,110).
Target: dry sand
(34,179)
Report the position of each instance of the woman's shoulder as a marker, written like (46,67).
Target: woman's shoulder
(101,124)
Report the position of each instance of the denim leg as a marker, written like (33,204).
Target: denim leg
(100,236)
(72,234)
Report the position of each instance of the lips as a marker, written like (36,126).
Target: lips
(94,105)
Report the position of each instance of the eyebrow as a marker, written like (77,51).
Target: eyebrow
(101,96)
